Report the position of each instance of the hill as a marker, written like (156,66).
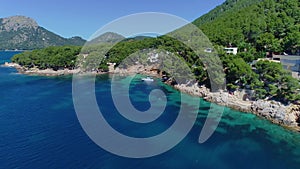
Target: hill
(227,6)
(20,32)
(265,25)
(108,37)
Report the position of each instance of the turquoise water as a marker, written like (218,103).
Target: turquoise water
(39,129)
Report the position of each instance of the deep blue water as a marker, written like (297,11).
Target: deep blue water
(39,129)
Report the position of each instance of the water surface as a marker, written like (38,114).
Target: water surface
(39,129)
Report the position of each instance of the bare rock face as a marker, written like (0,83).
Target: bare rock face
(14,23)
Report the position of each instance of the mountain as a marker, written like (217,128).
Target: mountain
(265,25)
(108,37)
(138,38)
(111,37)
(20,32)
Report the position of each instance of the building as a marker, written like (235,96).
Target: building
(231,50)
(289,62)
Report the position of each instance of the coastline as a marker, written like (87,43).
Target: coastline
(284,115)
(287,116)
(36,71)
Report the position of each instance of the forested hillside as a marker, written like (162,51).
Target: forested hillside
(220,10)
(54,57)
(265,25)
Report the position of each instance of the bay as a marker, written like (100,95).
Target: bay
(39,129)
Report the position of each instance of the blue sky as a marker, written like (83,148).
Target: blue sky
(85,17)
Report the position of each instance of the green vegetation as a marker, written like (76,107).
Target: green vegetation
(52,57)
(277,83)
(254,26)
(238,73)
(268,25)
(268,80)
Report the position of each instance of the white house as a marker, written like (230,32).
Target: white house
(231,50)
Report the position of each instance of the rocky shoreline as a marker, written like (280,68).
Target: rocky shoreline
(285,115)
(45,72)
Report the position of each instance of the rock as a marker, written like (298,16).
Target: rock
(293,114)
(276,112)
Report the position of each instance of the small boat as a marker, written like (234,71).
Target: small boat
(148,79)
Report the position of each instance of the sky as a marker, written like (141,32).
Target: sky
(83,18)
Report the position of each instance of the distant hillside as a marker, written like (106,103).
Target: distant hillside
(108,37)
(20,32)
(267,25)
(111,37)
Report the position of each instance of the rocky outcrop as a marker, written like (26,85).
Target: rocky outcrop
(222,97)
(194,90)
(293,112)
(45,72)
(136,69)
(14,65)
(274,111)
(286,115)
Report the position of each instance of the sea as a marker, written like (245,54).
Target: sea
(39,129)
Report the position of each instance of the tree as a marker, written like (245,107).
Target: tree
(278,83)
(268,42)
(238,72)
